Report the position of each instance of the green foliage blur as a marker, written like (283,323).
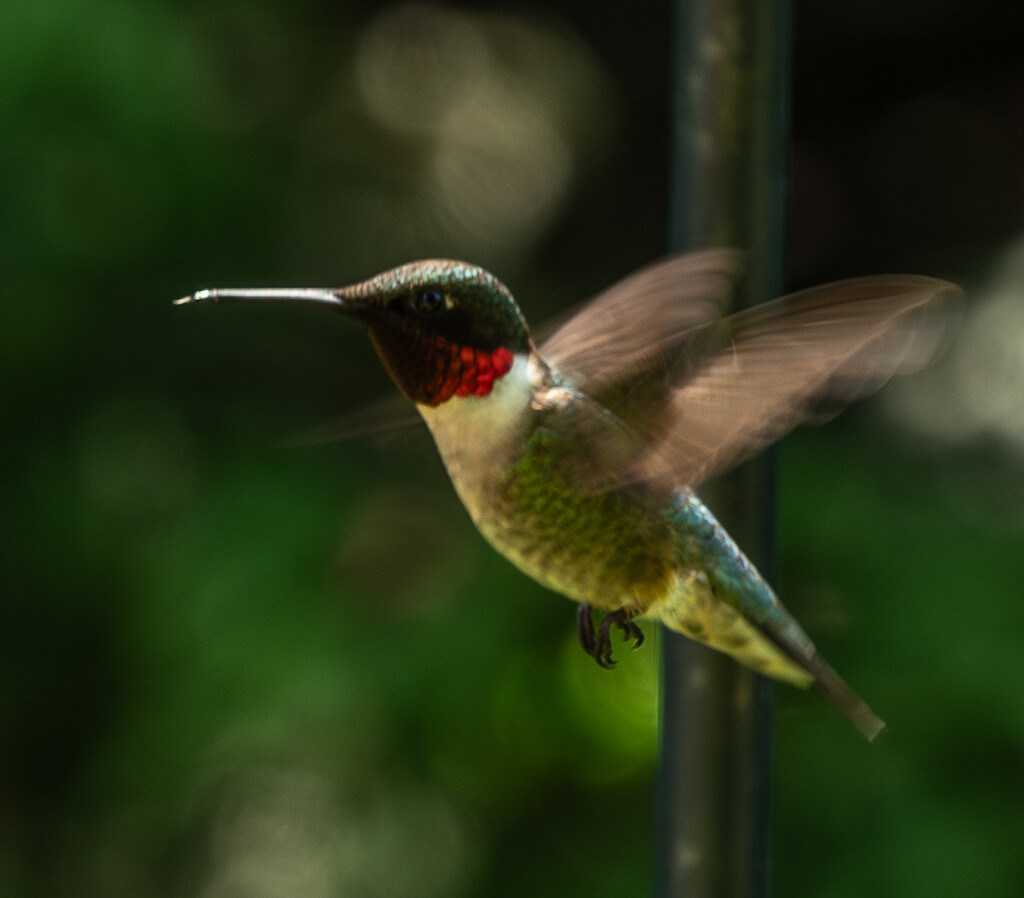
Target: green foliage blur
(238,661)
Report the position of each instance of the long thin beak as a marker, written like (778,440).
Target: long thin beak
(312,295)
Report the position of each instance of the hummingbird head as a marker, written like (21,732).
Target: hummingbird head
(441,328)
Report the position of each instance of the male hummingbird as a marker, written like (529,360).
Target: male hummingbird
(578,459)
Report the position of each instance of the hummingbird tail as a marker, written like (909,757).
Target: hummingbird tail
(843,698)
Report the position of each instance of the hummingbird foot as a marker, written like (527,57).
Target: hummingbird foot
(598,642)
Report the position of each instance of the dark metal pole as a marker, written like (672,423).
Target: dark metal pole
(730,127)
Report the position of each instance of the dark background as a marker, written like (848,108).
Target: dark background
(231,665)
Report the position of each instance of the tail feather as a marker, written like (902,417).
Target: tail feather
(719,599)
(791,639)
(779,650)
(832,687)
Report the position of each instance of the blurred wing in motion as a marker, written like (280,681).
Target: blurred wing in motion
(772,365)
(703,398)
(388,417)
(632,326)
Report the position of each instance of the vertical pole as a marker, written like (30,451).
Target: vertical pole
(730,127)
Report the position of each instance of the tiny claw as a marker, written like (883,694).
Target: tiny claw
(598,644)
(639,634)
(631,630)
(585,629)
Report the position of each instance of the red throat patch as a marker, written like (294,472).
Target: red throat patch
(463,371)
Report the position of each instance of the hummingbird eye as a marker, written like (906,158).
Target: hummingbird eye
(428,302)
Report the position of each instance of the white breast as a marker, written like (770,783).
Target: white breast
(477,435)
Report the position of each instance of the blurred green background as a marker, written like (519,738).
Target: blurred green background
(234,663)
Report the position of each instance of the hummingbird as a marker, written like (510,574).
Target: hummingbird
(578,459)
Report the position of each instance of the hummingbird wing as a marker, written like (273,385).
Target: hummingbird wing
(379,420)
(712,395)
(632,326)
(759,373)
